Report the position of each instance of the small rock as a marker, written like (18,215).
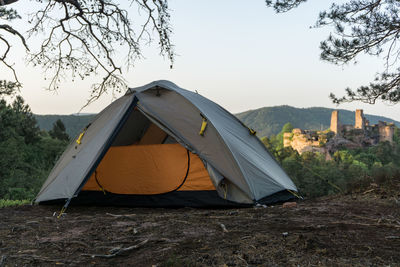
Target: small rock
(289,205)
(223,228)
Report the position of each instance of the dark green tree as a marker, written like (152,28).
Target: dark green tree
(27,154)
(287,128)
(396,136)
(26,122)
(58,131)
(369,27)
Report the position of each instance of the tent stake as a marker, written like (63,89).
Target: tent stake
(64,208)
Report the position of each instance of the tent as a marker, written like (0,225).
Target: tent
(161,145)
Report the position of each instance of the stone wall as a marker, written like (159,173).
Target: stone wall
(303,141)
(361,134)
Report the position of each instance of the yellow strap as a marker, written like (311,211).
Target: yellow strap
(294,194)
(203,127)
(252,132)
(61,212)
(79,140)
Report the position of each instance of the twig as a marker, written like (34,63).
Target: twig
(121,215)
(243,260)
(116,251)
(3,260)
(366,224)
(220,217)
(76,242)
(368,191)
(392,237)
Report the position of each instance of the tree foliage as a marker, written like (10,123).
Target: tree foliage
(83,39)
(58,131)
(27,154)
(369,27)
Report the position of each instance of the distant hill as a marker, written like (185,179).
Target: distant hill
(73,123)
(266,121)
(270,120)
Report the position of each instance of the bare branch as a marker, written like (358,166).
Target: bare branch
(86,39)
(369,27)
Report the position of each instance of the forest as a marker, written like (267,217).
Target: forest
(27,153)
(30,153)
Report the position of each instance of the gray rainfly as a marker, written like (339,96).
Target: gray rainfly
(161,145)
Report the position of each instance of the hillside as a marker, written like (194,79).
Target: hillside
(269,120)
(73,123)
(266,121)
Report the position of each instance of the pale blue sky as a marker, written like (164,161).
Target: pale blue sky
(238,53)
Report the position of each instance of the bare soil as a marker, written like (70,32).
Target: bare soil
(351,230)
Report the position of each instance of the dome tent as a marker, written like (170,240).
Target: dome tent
(161,145)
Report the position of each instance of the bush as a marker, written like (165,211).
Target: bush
(10,203)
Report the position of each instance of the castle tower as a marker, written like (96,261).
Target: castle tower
(335,121)
(386,132)
(360,120)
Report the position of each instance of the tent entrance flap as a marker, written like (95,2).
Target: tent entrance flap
(149,170)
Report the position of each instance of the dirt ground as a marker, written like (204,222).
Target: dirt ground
(351,230)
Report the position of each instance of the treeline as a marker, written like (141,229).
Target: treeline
(27,153)
(347,171)
(73,123)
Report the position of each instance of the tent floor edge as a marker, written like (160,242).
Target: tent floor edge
(175,199)
(277,198)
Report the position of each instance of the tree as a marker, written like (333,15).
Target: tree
(27,154)
(58,131)
(287,128)
(82,39)
(371,27)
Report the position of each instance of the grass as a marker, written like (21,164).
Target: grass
(10,203)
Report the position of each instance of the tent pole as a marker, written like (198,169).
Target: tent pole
(64,208)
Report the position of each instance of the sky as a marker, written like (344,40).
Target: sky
(237,53)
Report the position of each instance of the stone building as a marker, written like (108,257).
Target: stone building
(361,134)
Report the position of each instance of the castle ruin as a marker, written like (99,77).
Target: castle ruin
(335,121)
(361,134)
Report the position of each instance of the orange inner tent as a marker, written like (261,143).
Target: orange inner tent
(146,169)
